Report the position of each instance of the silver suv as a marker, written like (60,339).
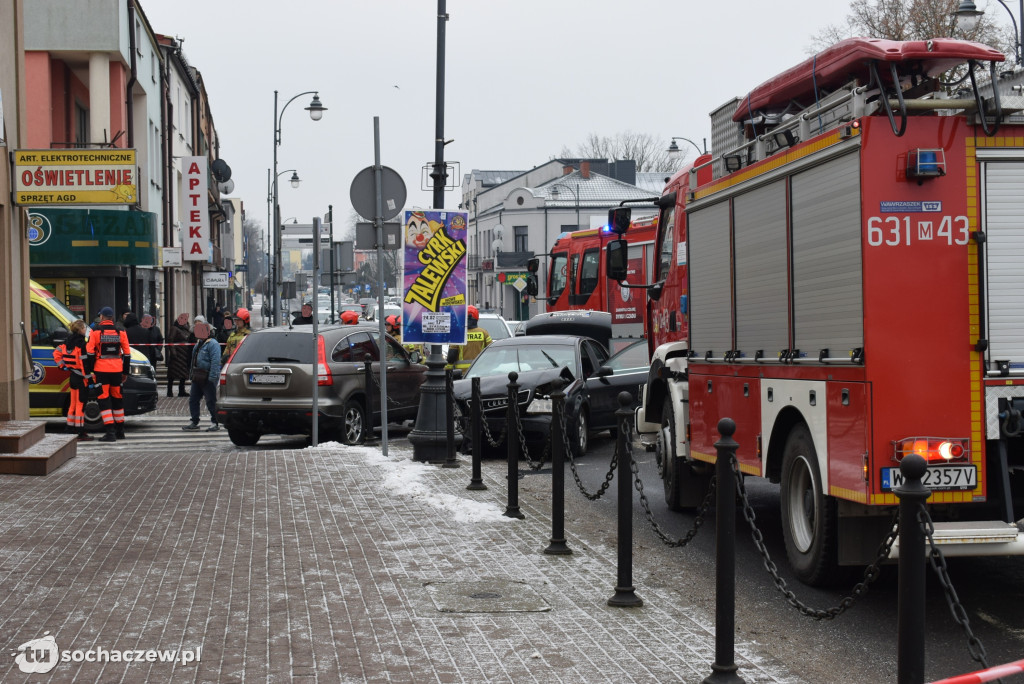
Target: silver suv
(267,386)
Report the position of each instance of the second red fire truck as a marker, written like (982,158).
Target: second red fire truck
(843,278)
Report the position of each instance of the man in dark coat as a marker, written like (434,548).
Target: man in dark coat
(179,355)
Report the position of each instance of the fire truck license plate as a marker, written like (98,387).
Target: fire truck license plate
(935,478)
(255,379)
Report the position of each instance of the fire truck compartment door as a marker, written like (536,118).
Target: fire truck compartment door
(1003,223)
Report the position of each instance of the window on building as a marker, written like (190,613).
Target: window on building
(521,235)
(81,125)
(569,227)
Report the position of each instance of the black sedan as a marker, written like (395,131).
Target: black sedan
(590,393)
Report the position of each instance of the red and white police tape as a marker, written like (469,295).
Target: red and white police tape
(991,674)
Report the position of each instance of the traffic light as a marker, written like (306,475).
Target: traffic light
(532,266)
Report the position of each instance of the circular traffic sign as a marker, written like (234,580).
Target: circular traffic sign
(364,194)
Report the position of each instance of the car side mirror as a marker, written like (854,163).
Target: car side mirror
(604,372)
(456,374)
(415,356)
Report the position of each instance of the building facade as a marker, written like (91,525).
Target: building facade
(516,216)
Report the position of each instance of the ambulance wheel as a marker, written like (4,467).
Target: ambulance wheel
(809,516)
(91,409)
(685,486)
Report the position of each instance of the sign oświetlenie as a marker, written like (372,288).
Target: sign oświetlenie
(195,238)
(48,177)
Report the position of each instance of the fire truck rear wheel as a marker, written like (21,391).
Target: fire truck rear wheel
(808,514)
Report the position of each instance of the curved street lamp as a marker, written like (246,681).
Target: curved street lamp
(674,151)
(968,14)
(316,111)
(575,196)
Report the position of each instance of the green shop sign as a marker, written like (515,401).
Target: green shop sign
(93,237)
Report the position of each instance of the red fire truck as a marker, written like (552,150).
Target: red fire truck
(577,278)
(842,276)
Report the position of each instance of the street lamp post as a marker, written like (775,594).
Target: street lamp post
(316,111)
(674,151)
(575,196)
(271,274)
(429,437)
(967,15)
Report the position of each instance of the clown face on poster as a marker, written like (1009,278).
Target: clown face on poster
(434,278)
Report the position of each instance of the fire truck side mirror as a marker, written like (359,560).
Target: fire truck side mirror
(531,285)
(615,259)
(618,219)
(533,265)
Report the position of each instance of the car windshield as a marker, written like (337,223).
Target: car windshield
(633,356)
(295,346)
(495,327)
(524,357)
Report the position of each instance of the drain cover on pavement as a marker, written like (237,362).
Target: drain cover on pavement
(485,596)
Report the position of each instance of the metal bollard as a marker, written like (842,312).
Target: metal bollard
(912,581)
(723,670)
(512,435)
(476,481)
(625,593)
(368,380)
(557,547)
(449,420)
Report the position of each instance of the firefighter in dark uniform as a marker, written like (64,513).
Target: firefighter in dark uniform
(109,356)
(477,339)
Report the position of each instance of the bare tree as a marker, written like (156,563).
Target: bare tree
(911,20)
(649,153)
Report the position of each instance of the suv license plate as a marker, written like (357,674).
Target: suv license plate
(936,478)
(256,379)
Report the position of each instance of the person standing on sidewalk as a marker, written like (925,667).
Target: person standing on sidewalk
(155,339)
(70,356)
(177,355)
(109,356)
(205,375)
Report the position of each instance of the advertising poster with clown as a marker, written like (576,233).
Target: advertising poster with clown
(434,278)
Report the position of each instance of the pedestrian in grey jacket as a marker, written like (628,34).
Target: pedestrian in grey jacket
(205,375)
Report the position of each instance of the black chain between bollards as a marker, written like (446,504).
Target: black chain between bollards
(575,473)
(376,383)
(702,511)
(487,431)
(938,563)
(871,573)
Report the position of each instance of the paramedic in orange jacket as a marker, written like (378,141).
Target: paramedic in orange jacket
(70,356)
(109,356)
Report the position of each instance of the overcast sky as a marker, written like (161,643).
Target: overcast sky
(523,79)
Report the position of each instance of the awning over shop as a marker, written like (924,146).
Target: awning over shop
(79,237)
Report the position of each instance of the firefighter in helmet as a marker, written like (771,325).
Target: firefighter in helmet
(477,339)
(349,318)
(393,326)
(235,338)
(109,356)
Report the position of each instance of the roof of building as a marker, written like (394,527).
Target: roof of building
(595,190)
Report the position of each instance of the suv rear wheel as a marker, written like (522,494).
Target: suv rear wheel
(243,438)
(354,429)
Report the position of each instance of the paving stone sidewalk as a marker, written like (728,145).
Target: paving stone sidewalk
(328,564)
